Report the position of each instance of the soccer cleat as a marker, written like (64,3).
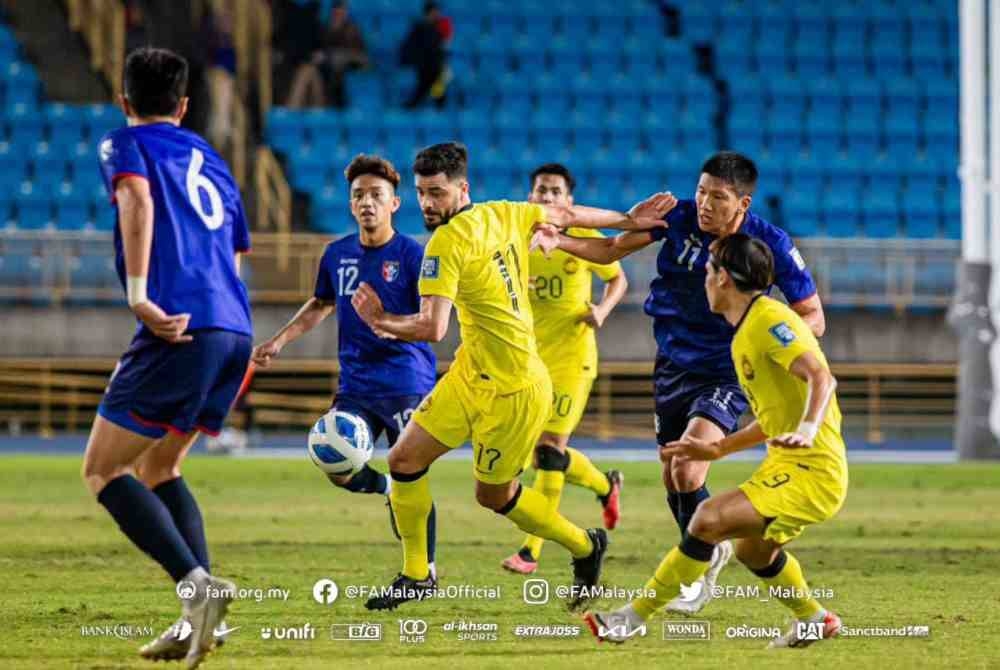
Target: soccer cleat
(587,570)
(614,627)
(612,502)
(403,589)
(205,615)
(702,589)
(522,562)
(174,642)
(803,633)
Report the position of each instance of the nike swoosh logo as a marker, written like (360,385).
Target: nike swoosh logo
(219,632)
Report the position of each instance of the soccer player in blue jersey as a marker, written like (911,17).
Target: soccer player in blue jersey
(181,229)
(382,381)
(696,390)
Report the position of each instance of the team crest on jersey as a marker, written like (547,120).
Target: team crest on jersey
(747,368)
(571,266)
(429,268)
(783,333)
(390,270)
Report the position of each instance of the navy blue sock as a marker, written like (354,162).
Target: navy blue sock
(431,534)
(147,522)
(687,503)
(187,517)
(366,480)
(674,509)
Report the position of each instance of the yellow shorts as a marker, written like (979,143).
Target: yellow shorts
(570,392)
(504,429)
(795,494)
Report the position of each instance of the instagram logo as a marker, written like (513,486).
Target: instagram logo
(536,591)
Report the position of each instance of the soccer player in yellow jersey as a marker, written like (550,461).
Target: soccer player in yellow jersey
(497,392)
(802,480)
(565,325)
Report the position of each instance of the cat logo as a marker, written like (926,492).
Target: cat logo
(747,368)
(571,266)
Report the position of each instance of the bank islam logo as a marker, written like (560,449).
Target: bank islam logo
(303,632)
(690,593)
(809,631)
(325,591)
(412,631)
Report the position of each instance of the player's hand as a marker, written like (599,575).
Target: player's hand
(650,212)
(691,449)
(546,238)
(384,334)
(594,317)
(367,304)
(791,441)
(263,354)
(169,327)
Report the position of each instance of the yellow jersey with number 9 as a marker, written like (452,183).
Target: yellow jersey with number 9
(561,287)
(479,261)
(767,341)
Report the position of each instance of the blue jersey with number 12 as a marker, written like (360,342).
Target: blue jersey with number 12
(198,223)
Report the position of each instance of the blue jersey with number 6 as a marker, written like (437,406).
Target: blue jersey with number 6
(371,366)
(198,223)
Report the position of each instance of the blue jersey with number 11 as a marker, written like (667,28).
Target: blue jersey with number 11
(198,223)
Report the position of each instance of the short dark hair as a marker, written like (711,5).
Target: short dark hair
(154,81)
(451,158)
(557,169)
(733,168)
(377,166)
(747,260)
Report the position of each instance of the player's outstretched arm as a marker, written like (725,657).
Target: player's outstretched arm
(811,311)
(820,385)
(614,290)
(135,217)
(600,250)
(310,315)
(695,449)
(643,216)
(429,325)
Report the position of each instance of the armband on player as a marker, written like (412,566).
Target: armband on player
(136,291)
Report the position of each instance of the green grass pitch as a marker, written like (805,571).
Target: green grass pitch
(914,545)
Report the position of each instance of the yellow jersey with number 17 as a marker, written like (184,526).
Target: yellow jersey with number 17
(561,286)
(479,261)
(767,341)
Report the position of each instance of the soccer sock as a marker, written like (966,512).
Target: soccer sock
(550,478)
(531,511)
(411,503)
(582,472)
(788,584)
(431,534)
(687,504)
(187,517)
(684,564)
(147,522)
(674,509)
(366,480)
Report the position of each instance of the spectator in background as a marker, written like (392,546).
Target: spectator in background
(341,48)
(221,58)
(425,49)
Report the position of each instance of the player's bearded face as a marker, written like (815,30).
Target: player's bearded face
(440,198)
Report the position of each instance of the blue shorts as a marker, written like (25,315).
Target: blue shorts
(682,395)
(159,387)
(389,415)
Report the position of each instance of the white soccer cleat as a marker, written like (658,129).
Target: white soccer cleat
(694,598)
(172,645)
(803,633)
(206,612)
(617,626)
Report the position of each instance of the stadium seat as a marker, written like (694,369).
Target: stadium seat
(921,214)
(841,211)
(801,213)
(72,209)
(34,208)
(881,214)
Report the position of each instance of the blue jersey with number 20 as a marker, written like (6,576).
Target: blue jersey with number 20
(198,223)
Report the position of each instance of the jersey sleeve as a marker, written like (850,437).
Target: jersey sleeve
(784,336)
(674,217)
(527,214)
(241,231)
(790,272)
(325,287)
(119,157)
(441,265)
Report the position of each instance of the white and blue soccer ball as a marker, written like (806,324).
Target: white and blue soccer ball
(340,443)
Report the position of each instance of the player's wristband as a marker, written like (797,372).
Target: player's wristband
(136,290)
(808,429)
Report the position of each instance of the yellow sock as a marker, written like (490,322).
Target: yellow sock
(535,516)
(789,586)
(675,569)
(550,484)
(581,472)
(411,504)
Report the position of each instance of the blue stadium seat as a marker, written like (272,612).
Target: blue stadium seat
(881,214)
(801,213)
(941,92)
(941,136)
(901,91)
(927,61)
(698,22)
(887,61)
(587,130)
(66,124)
(72,209)
(841,210)
(849,61)
(810,59)
(285,128)
(806,174)
(902,132)
(952,213)
(34,208)
(921,214)
(845,173)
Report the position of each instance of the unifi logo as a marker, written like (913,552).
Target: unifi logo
(303,632)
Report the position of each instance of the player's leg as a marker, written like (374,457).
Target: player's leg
(367,479)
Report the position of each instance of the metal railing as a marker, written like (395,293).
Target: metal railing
(102,24)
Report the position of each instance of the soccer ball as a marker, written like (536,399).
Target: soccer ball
(340,443)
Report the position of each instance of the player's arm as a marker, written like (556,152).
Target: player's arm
(811,311)
(600,250)
(310,315)
(820,385)
(135,218)
(614,290)
(695,449)
(644,215)
(430,324)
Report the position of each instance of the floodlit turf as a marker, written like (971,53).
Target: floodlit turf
(914,545)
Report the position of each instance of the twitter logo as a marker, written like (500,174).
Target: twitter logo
(690,593)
